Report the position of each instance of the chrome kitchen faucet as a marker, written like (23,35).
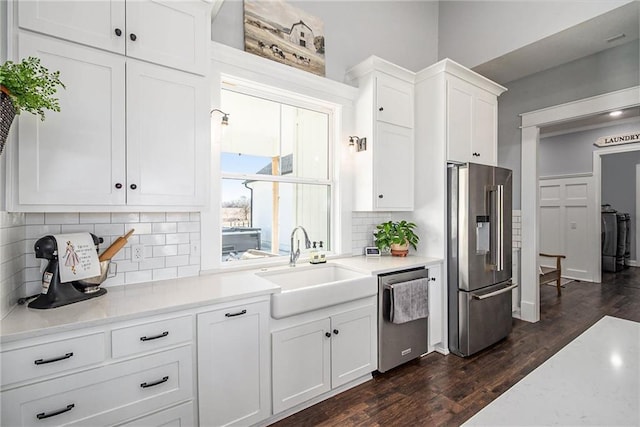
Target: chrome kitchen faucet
(293,256)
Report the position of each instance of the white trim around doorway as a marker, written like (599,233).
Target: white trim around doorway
(531,123)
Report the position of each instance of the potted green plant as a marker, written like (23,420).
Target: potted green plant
(396,236)
(26,86)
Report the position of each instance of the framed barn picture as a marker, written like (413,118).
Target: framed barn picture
(281,32)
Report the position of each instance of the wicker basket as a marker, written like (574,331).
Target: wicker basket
(7,113)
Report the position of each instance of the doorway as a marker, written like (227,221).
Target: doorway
(531,124)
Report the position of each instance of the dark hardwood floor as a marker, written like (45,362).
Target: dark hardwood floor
(442,390)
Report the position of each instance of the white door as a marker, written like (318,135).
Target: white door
(567,207)
(394,101)
(76,156)
(393,167)
(353,345)
(436,305)
(98,23)
(301,363)
(170,33)
(233,365)
(167,136)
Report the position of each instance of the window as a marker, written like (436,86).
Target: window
(276,174)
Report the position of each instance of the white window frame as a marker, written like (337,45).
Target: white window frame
(233,66)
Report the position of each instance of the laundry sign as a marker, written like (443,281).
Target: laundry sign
(625,138)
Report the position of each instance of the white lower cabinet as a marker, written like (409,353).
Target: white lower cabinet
(314,357)
(85,378)
(233,365)
(437,302)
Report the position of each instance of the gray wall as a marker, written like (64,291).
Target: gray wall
(613,69)
(474,32)
(619,187)
(573,152)
(403,32)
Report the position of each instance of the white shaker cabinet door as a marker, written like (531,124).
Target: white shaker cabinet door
(393,167)
(394,101)
(485,129)
(76,156)
(459,120)
(301,363)
(233,365)
(171,33)
(98,23)
(167,136)
(353,345)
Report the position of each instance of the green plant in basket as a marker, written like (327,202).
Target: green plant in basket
(395,233)
(30,86)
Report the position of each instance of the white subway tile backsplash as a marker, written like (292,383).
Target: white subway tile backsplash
(153,217)
(165,273)
(177,261)
(178,216)
(125,217)
(168,239)
(102,230)
(95,218)
(164,227)
(61,218)
(188,227)
(177,238)
(153,239)
(138,276)
(37,231)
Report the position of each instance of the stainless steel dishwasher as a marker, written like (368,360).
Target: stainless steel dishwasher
(398,343)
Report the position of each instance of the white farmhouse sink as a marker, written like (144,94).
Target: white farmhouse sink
(310,287)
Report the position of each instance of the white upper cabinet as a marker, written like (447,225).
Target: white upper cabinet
(76,156)
(167,117)
(472,123)
(133,132)
(170,33)
(385,117)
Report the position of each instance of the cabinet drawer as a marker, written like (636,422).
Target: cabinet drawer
(181,415)
(51,358)
(105,395)
(151,336)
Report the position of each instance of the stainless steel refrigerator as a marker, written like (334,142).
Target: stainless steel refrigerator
(479,256)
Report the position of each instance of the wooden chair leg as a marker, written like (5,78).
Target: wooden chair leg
(559,286)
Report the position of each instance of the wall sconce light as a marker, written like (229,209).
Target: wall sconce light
(225,116)
(357,144)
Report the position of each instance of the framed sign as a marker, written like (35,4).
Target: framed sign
(276,30)
(627,138)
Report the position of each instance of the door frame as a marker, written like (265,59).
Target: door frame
(531,124)
(597,175)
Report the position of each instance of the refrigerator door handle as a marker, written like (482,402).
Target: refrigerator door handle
(493,294)
(497,225)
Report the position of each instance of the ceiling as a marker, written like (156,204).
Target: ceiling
(573,43)
(631,114)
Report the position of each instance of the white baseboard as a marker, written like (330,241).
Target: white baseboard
(528,312)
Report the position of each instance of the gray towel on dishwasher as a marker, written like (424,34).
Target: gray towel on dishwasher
(409,300)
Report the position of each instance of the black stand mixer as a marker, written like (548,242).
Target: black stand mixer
(56,293)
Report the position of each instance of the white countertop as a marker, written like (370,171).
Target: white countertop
(594,380)
(132,301)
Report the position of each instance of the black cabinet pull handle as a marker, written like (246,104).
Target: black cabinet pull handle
(240,313)
(118,185)
(155,337)
(43,415)
(55,359)
(118,32)
(327,334)
(133,37)
(381,109)
(147,385)
(335,331)
(133,186)
(380,196)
